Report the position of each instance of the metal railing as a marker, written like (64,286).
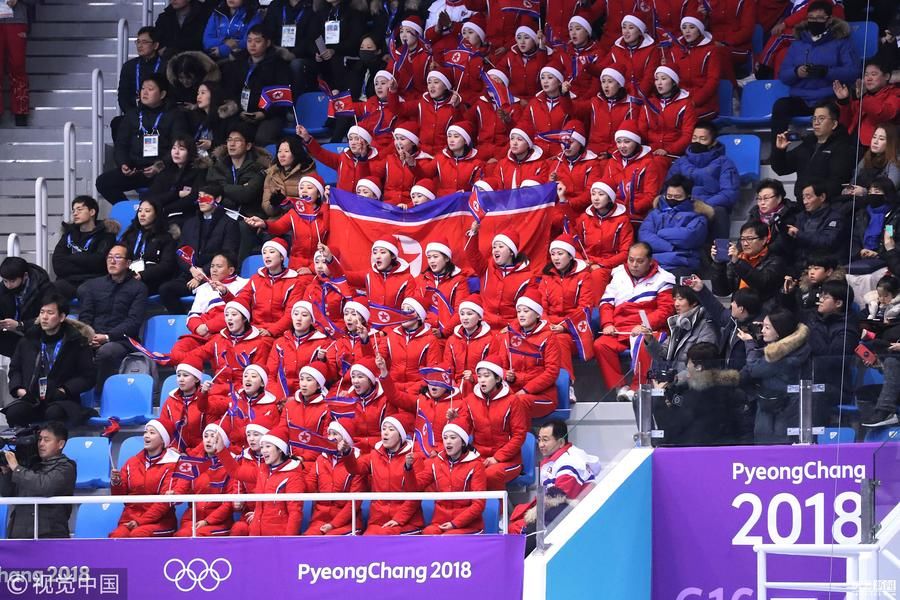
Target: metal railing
(40,221)
(121,43)
(96,124)
(13,246)
(193,499)
(69,165)
(147,13)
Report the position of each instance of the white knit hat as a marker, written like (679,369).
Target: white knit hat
(240,308)
(305,305)
(668,71)
(313,372)
(614,74)
(190,369)
(396,424)
(527,31)
(222,434)
(386,245)
(277,442)
(440,77)
(385,74)
(577,20)
(636,22)
(161,430)
(257,428)
(259,371)
(364,134)
(490,366)
(459,431)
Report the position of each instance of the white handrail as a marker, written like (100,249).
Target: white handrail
(68,168)
(147,13)
(40,221)
(121,44)
(13,247)
(96,124)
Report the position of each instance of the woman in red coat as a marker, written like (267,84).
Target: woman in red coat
(733,21)
(252,404)
(634,171)
(410,346)
(149,472)
(458,468)
(504,277)
(669,115)
(698,62)
(492,122)
(549,108)
(188,408)
(354,162)
(433,111)
(522,161)
(375,114)
(249,459)
(470,341)
(329,475)
(352,345)
(458,166)
(442,286)
(467,55)
(389,467)
(606,110)
(370,401)
(523,63)
(411,74)
(565,292)
(280,474)
(328,295)
(404,165)
(573,169)
(532,356)
(499,424)
(307,221)
(307,410)
(581,58)
(299,346)
(605,231)
(636,55)
(213,518)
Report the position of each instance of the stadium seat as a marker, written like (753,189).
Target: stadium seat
(2,521)
(123,212)
(757,99)
(329,175)
(491,516)
(162,331)
(91,454)
(427,511)
(529,451)
(251,265)
(127,396)
(272,149)
(837,435)
(726,106)
(307,514)
(864,35)
(744,151)
(563,409)
(884,434)
(312,110)
(96,520)
(758,41)
(128,448)
(169,384)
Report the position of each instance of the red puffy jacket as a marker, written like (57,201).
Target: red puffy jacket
(224,350)
(388,288)
(188,416)
(330,293)
(603,116)
(262,410)
(500,286)
(669,122)
(442,296)
(293,352)
(509,173)
(350,168)
(700,69)
(456,174)
(637,64)
(462,352)
(301,414)
(637,180)
(386,472)
(493,132)
(411,75)
(562,295)
(433,117)
(463,475)
(141,477)
(547,115)
(524,71)
(499,423)
(329,475)
(305,234)
(577,175)
(606,239)
(536,377)
(369,412)
(580,67)
(407,352)
(399,177)
(270,298)
(218,515)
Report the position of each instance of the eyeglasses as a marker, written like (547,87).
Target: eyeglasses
(140,42)
(766,198)
(749,239)
(115,258)
(820,119)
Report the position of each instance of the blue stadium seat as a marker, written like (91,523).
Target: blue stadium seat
(428,511)
(89,398)
(884,434)
(3,521)
(272,149)
(757,100)
(251,265)
(837,435)
(491,515)
(307,515)
(329,175)
(167,386)
(91,454)
(864,35)
(96,520)
(127,396)
(744,151)
(726,107)
(563,409)
(529,461)
(129,447)
(312,110)
(123,212)
(162,331)
(758,41)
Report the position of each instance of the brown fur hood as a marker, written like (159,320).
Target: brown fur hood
(192,60)
(700,207)
(228,109)
(839,28)
(790,343)
(704,380)
(257,154)
(82,329)
(109,225)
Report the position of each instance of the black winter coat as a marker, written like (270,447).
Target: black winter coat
(79,255)
(273,69)
(175,37)
(72,370)
(823,232)
(779,241)
(281,13)
(697,411)
(129,142)
(113,309)
(222,234)
(766,278)
(157,249)
(53,477)
(166,185)
(832,162)
(25,305)
(132,75)
(731,345)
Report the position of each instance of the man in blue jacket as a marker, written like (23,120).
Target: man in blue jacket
(821,54)
(714,175)
(676,228)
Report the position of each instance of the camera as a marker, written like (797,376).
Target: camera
(23,441)
(662,375)
(754,329)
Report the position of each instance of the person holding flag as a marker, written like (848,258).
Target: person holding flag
(410,346)
(251,404)
(433,111)
(581,58)
(442,286)
(469,343)
(422,192)
(329,475)
(504,278)
(354,162)
(523,63)
(523,160)
(463,52)
(390,467)
(499,423)
(299,346)
(283,176)
(148,472)
(459,164)
(604,111)
(409,64)
(405,165)
(188,408)
(327,295)
(354,343)
(432,406)
(532,356)
(280,474)
(575,167)
(369,401)
(373,115)
(669,115)
(636,55)
(634,171)
(307,412)
(549,108)
(568,297)
(493,115)
(306,220)
(249,459)
(604,233)
(213,518)
(560,11)
(457,468)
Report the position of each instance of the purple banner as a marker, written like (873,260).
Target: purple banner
(711,505)
(241,568)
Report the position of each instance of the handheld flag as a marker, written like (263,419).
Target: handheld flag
(341,104)
(282,377)
(341,407)
(456,59)
(557,136)
(276,95)
(113,427)
(186,254)
(385,316)
(497,91)
(424,435)
(190,467)
(579,326)
(157,357)
(526,8)
(308,439)
(517,344)
(476,207)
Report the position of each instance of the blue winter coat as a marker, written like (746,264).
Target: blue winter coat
(833,50)
(715,176)
(220,27)
(676,233)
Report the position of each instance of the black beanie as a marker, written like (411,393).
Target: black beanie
(784,322)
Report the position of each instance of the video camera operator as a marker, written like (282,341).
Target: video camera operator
(52,475)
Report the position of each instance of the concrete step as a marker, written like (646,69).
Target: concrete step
(70,81)
(93,11)
(26,151)
(32,169)
(21,188)
(83,30)
(67,64)
(32,134)
(63,47)
(66,98)
(44,116)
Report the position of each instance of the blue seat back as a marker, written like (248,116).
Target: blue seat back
(96,520)
(123,213)
(491,515)
(884,434)
(744,151)
(758,41)
(529,459)
(128,396)
(836,435)
(251,265)
(758,97)
(162,331)
(428,511)
(91,455)
(128,448)
(329,175)
(726,93)
(3,517)
(312,110)
(169,383)
(864,36)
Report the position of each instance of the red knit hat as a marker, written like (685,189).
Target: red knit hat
(564,242)
(425,187)
(477,23)
(409,130)
(414,22)
(531,298)
(277,244)
(371,183)
(361,305)
(629,130)
(464,128)
(317,370)
(240,307)
(578,132)
(525,130)
(510,239)
(493,363)
(473,303)
(314,179)
(366,366)
(191,365)
(440,244)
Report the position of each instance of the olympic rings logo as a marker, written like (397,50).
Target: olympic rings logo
(197,573)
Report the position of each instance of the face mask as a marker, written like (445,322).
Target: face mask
(697,147)
(816,28)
